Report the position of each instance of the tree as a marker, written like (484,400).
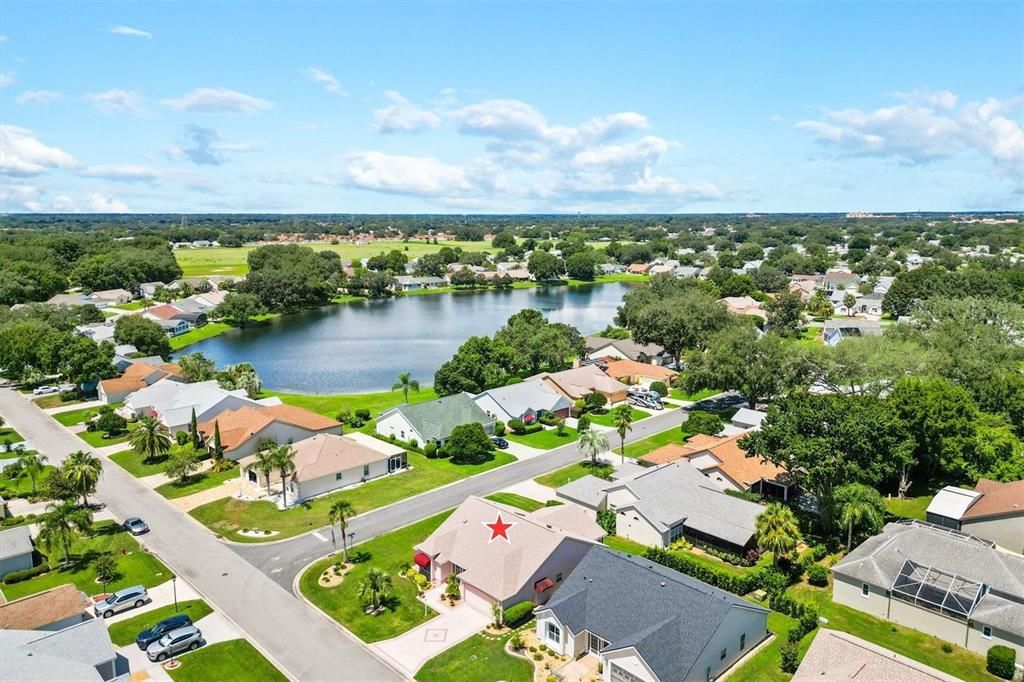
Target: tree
(105,566)
(238,309)
(61,524)
(193,431)
(182,465)
(110,422)
(785,314)
(622,420)
(284,462)
(146,335)
(591,444)
(375,586)
(339,513)
(83,360)
(469,444)
(819,305)
(536,343)
(849,300)
(150,438)
(196,367)
(866,365)
(265,460)
(543,266)
(503,240)
(595,401)
(479,364)
(699,421)
(681,321)
(244,376)
(31,464)
(83,470)
(218,448)
(405,382)
(582,265)
(859,504)
(290,277)
(777,530)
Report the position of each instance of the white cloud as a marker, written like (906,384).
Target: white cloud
(129,31)
(121,173)
(402,116)
(15,195)
(117,101)
(218,100)
(104,203)
(421,176)
(39,97)
(325,79)
(205,147)
(21,154)
(65,204)
(501,118)
(614,125)
(6,79)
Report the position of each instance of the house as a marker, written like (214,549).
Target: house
(688,271)
(632,372)
(148,289)
(744,420)
(83,653)
(744,305)
(110,297)
(580,382)
(173,327)
(993,511)
(839,280)
(243,430)
(868,305)
(74,299)
(639,268)
(15,550)
(525,401)
(804,286)
(97,331)
(726,464)
(191,312)
(669,502)
(327,462)
(407,283)
(648,623)
(627,349)
(138,376)
(838,329)
(51,610)
(837,655)
(611,268)
(661,269)
(528,561)
(432,421)
(173,402)
(942,582)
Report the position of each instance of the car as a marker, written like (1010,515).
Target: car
(122,600)
(147,637)
(187,638)
(500,443)
(45,390)
(136,526)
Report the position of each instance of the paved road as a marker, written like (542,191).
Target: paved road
(298,640)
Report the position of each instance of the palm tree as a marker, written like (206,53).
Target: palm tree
(150,438)
(859,504)
(622,418)
(284,462)
(339,513)
(83,470)
(405,382)
(591,444)
(849,300)
(62,523)
(375,586)
(777,530)
(265,460)
(32,464)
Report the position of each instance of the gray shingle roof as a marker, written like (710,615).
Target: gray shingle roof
(434,420)
(588,491)
(628,347)
(516,399)
(69,654)
(632,602)
(15,542)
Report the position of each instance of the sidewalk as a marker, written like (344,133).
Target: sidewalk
(75,406)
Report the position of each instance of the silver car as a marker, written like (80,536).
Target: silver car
(122,600)
(186,638)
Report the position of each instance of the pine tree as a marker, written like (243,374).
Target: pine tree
(218,449)
(193,431)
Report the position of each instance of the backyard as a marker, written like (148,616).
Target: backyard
(391,553)
(235,659)
(764,665)
(546,439)
(476,658)
(909,507)
(123,632)
(228,516)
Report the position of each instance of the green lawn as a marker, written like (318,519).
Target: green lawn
(679,394)
(916,645)
(548,439)
(9,434)
(54,400)
(134,305)
(228,516)
(764,666)
(518,501)
(98,439)
(22,486)
(331,405)
(124,632)
(476,659)
(607,419)
(625,545)
(197,482)
(235,659)
(137,567)
(207,331)
(909,507)
(642,447)
(560,477)
(391,552)
(133,463)
(81,416)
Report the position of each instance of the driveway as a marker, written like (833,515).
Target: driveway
(215,628)
(410,651)
(520,451)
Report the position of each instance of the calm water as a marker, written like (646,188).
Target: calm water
(361,347)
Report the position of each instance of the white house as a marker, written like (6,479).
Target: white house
(525,401)
(15,550)
(172,402)
(432,421)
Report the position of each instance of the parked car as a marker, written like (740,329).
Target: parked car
(45,390)
(136,526)
(499,442)
(187,638)
(147,637)
(122,600)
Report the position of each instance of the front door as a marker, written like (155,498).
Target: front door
(595,643)
(394,463)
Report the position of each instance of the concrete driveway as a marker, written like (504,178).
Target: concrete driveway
(215,628)
(410,651)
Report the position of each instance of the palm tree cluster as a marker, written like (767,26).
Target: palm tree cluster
(778,531)
(374,587)
(272,456)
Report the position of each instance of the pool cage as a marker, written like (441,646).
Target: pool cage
(930,588)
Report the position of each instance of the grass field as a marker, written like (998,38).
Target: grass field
(53,400)
(607,419)
(22,486)
(134,305)
(519,501)
(390,552)
(228,516)
(98,439)
(548,439)
(197,482)
(642,447)
(476,658)
(81,416)
(207,331)
(908,508)
(123,632)
(235,659)
(9,434)
(680,394)
(331,405)
(568,474)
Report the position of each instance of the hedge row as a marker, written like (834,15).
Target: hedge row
(18,576)
(737,584)
(517,614)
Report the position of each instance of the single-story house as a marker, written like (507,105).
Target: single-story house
(611,268)
(111,297)
(82,652)
(137,376)
(174,327)
(838,329)
(97,331)
(669,502)
(627,349)
(328,462)
(942,582)
(839,279)
(432,421)
(661,269)
(837,655)
(173,402)
(632,372)
(648,623)
(744,305)
(639,268)
(804,287)
(744,420)
(165,311)
(201,303)
(525,401)
(148,289)
(993,511)
(868,305)
(243,430)
(74,299)
(683,271)
(505,555)
(580,382)
(53,609)
(15,550)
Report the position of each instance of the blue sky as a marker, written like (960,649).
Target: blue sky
(511,107)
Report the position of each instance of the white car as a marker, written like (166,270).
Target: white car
(45,390)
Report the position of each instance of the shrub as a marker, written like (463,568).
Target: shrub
(1001,661)
(788,662)
(499,429)
(517,426)
(538,656)
(181,438)
(18,576)
(606,519)
(583,423)
(595,401)
(707,423)
(68,396)
(413,443)
(111,424)
(547,420)
(817,575)
(660,388)
(517,614)
(430,450)
(358,556)
(516,642)
(947,648)
(362,414)
(12,521)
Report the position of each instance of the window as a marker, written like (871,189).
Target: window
(366,470)
(675,533)
(986,632)
(402,434)
(553,633)
(865,590)
(721,656)
(337,476)
(743,641)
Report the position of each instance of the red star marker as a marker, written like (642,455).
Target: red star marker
(499,529)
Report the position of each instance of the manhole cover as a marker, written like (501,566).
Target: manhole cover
(435,635)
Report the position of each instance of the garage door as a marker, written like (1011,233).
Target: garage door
(478,600)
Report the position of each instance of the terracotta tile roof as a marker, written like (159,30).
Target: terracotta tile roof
(139,375)
(733,460)
(41,609)
(997,498)
(617,369)
(164,312)
(238,426)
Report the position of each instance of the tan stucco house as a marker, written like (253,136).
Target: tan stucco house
(993,511)
(243,430)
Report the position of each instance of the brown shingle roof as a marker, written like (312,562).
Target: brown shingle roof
(997,499)
(41,609)
(733,460)
(139,375)
(326,454)
(238,426)
(618,369)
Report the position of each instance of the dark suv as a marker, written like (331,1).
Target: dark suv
(147,637)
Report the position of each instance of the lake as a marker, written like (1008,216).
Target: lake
(362,347)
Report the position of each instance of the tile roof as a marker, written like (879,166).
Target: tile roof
(238,426)
(619,369)
(732,459)
(627,347)
(325,454)
(140,375)
(164,312)
(997,499)
(581,381)
(15,542)
(435,419)
(43,608)
(837,655)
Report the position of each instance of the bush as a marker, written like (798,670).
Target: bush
(660,388)
(517,614)
(707,423)
(358,556)
(517,426)
(583,423)
(430,450)
(69,396)
(947,648)
(817,575)
(111,423)
(499,429)
(413,443)
(547,420)
(363,415)
(606,519)
(595,400)
(788,662)
(1001,661)
(18,576)
(182,438)
(12,521)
